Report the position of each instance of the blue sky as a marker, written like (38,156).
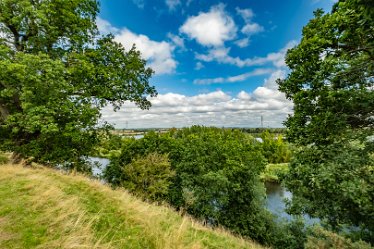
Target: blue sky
(215,62)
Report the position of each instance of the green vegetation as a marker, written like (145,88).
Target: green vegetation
(320,239)
(216,178)
(4,158)
(56,74)
(274,148)
(108,147)
(216,174)
(274,172)
(42,208)
(331,84)
(149,177)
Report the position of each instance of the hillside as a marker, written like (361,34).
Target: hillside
(44,208)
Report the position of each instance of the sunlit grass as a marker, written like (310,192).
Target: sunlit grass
(43,208)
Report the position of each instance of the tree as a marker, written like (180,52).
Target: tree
(149,177)
(56,74)
(217,176)
(331,83)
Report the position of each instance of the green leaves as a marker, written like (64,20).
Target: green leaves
(331,85)
(56,74)
(217,175)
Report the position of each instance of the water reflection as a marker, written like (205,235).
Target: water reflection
(276,194)
(99,165)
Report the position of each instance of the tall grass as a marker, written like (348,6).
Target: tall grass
(42,208)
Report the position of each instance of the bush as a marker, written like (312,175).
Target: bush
(274,172)
(3,158)
(274,148)
(149,177)
(322,239)
(288,234)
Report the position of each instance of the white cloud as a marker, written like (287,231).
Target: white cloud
(246,14)
(252,28)
(159,55)
(243,95)
(105,27)
(212,28)
(232,79)
(176,40)
(242,43)
(213,109)
(221,55)
(172,4)
(6,36)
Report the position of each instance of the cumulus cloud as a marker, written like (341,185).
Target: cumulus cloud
(212,109)
(242,43)
(176,40)
(232,79)
(159,55)
(246,14)
(250,28)
(212,28)
(221,55)
(105,27)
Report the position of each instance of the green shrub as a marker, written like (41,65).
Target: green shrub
(274,148)
(322,239)
(274,172)
(288,234)
(149,177)
(3,158)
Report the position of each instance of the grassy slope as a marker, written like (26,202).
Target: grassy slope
(45,209)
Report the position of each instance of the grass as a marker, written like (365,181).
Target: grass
(44,208)
(273,171)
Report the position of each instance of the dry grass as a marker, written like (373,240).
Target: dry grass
(65,211)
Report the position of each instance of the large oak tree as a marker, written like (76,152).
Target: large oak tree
(331,83)
(56,74)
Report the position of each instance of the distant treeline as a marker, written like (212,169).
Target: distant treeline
(261,130)
(243,129)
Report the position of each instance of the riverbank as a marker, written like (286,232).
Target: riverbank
(45,208)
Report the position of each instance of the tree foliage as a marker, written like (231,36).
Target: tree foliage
(149,177)
(216,176)
(274,148)
(56,73)
(331,83)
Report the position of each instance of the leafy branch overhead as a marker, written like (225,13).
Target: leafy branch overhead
(56,73)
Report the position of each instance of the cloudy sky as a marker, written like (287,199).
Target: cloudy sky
(215,62)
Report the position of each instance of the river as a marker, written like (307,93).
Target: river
(275,195)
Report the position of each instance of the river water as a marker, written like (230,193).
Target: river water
(275,196)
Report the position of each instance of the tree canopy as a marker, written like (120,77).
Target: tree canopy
(331,83)
(56,74)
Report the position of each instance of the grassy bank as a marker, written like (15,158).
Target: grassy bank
(44,208)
